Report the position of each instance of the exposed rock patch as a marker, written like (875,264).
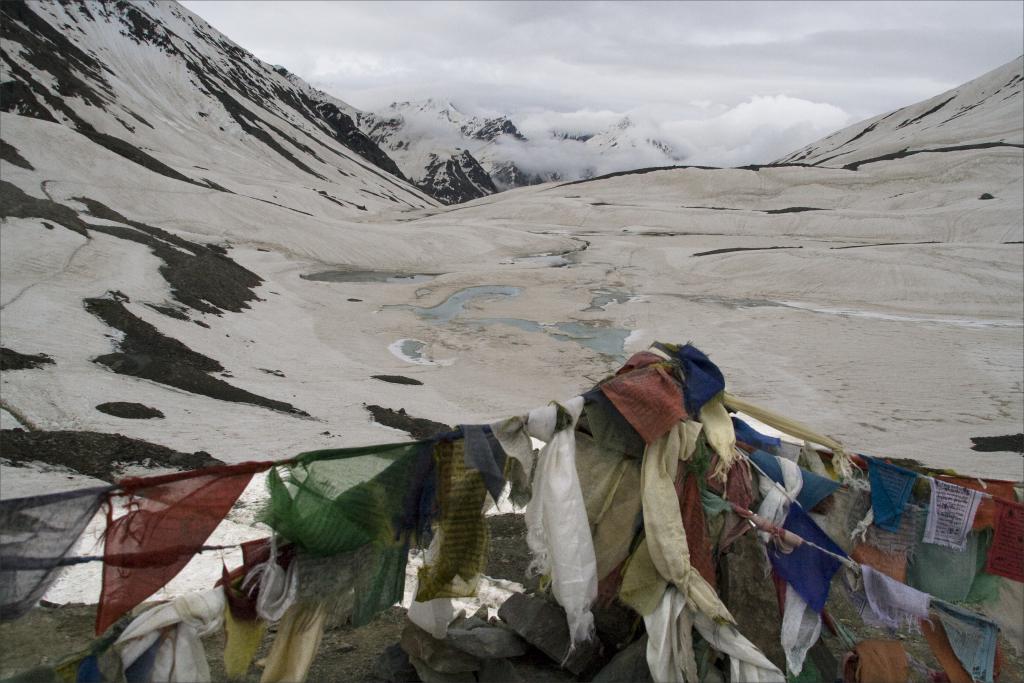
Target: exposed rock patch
(201,276)
(95,454)
(146,353)
(398,379)
(9,153)
(732,249)
(417,427)
(129,411)
(12,360)
(1014,443)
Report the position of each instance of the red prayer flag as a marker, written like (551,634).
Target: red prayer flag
(1006,556)
(648,398)
(169,518)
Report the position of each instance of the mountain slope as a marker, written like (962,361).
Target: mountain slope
(984,111)
(162,192)
(158,86)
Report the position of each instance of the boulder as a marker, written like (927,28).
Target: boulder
(480,639)
(429,675)
(393,666)
(628,666)
(542,624)
(436,654)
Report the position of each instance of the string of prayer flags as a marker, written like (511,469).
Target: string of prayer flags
(950,514)
(890,489)
(1006,556)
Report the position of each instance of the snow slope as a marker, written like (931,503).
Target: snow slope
(984,111)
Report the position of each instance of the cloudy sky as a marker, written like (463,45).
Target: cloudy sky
(730,82)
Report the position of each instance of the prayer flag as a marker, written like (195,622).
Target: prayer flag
(950,515)
(169,518)
(1006,556)
(890,490)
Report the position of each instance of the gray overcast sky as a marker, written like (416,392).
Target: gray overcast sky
(817,61)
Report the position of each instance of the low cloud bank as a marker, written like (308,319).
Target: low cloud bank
(592,142)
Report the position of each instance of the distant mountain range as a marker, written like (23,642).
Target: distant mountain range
(456,157)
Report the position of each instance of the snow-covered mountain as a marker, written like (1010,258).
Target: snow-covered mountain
(982,112)
(159,87)
(456,156)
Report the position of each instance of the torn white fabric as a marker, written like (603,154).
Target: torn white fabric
(746,662)
(670,640)
(558,531)
(511,434)
(278,587)
(433,616)
(860,532)
(181,623)
(801,627)
(663,522)
(776,497)
(892,603)
(809,456)
(950,514)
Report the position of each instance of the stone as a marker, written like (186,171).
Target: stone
(436,654)
(498,671)
(628,666)
(429,675)
(749,593)
(542,624)
(393,665)
(615,624)
(484,641)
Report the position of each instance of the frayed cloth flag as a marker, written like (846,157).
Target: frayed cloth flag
(35,535)
(892,603)
(649,398)
(1006,556)
(557,528)
(951,514)
(815,487)
(973,639)
(169,518)
(807,570)
(890,490)
(755,439)
(704,380)
(483,452)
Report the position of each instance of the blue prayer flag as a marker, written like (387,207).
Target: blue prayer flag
(807,570)
(890,491)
